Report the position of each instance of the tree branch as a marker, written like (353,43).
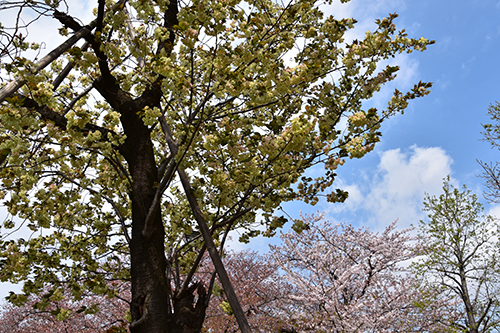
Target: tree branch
(59,120)
(14,85)
(93,40)
(219,266)
(109,200)
(59,79)
(132,34)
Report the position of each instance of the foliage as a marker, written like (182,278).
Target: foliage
(52,312)
(491,172)
(374,291)
(354,280)
(461,257)
(205,113)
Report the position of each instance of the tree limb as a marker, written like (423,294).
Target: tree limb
(108,199)
(132,34)
(14,85)
(59,79)
(219,266)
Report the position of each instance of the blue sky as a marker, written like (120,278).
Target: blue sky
(439,134)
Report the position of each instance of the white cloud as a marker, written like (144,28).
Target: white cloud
(354,201)
(396,188)
(404,178)
(494,211)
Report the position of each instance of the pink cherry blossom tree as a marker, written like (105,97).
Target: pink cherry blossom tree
(354,280)
(261,289)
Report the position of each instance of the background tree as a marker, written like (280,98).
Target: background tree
(491,171)
(260,288)
(270,303)
(353,280)
(53,313)
(205,113)
(461,257)
(262,291)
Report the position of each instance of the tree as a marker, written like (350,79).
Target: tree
(261,289)
(353,280)
(259,286)
(205,113)
(53,312)
(491,172)
(460,257)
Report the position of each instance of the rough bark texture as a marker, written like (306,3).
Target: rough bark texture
(188,318)
(149,307)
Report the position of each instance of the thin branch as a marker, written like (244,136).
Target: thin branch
(193,269)
(81,32)
(77,98)
(59,120)
(109,200)
(14,85)
(492,181)
(60,78)
(100,16)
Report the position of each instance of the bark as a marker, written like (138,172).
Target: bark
(469,308)
(188,318)
(150,308)
(151,294)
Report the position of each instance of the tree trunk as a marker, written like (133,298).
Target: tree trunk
(186,317)
(469,308)
(151,294)
(149,307)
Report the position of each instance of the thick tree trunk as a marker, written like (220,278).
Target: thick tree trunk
(149,307)
(150,290)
